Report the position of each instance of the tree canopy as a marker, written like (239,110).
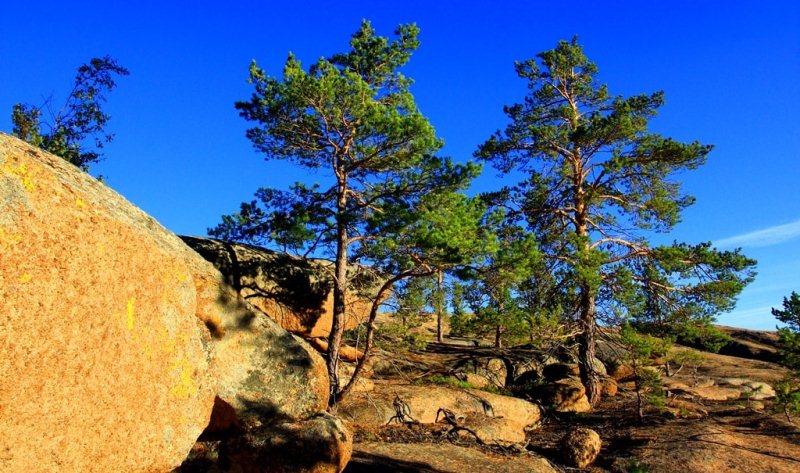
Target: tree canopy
(598,183)
(352,117)
(65,131)
(790,333)
(788,389)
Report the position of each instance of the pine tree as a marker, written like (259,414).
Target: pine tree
(788,390)
(597,184)
(352,119)
(67,129)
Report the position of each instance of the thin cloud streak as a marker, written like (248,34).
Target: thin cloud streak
(752,312)
(757,318)
(766,237)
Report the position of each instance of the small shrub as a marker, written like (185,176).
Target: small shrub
(705,336)
(787,396)
(681,359)
(634,466)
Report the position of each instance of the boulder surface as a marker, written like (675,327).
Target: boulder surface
(118,339)
(319,444)
(295,292)
(104,366)
(580,447)
(495,417)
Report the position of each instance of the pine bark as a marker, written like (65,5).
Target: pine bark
(339,291)
(439,307)
(586,348)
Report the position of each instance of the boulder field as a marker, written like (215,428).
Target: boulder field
(118,340)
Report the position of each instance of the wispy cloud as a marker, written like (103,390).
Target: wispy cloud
(764,237)
(759,318)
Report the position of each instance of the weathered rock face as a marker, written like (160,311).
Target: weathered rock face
(499,418)
(621,372)
(564,395)
(116,336)
(728,389)
(757,390)
(266,372)
(319,444)
(484,371)
(441,457)
(104,365)
(580,447)
(681,409)
(296,293)
(609,386)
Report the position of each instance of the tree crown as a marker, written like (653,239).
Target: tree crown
(80,117)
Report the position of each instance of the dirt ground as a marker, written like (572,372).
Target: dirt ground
(736,435)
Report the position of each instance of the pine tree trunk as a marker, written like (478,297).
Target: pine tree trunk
(638,386)
(586,348)
(339,290)
(439,308)
(586,322)
(498,341)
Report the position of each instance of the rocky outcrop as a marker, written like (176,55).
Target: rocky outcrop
(319,444)
(498,418)
(104,366)
(441,457)
(564,395)
(580,447)
(119,340)
(265,372)
(723,389)
(753,390)
(559,388)
(609,386)
(681,409)
(295,292)
(484,371)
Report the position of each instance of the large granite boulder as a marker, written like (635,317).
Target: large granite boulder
(295,292)
(117,339)
(563,395)
(264,372)
(104,366)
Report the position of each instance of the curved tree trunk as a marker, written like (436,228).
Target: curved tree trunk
(339,291)
(373,313)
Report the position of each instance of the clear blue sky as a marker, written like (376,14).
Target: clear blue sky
(730,70)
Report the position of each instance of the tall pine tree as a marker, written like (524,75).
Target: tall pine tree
(353,120)
(598,183)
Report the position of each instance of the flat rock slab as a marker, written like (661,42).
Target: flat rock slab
(374,457)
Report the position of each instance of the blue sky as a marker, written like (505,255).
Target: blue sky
(729,70)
